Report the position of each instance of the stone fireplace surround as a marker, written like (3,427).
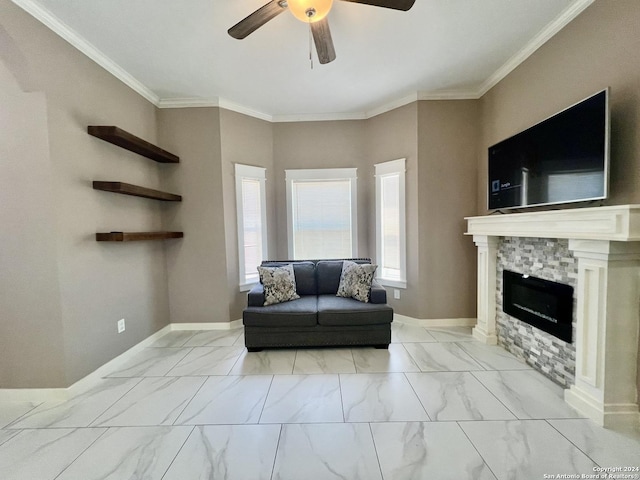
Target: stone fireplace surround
(606,242)
(548,259)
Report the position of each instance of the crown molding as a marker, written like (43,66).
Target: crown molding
(52,22)
(571,12)
(196,102)
(236,107)
(450,95)
(187,102)
(318,117)
(392,105)
(55,24)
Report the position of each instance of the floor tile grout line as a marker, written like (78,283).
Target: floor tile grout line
(275,456)
(493,394)
(8,425)
(14,433)
(344,420)
(106,429)
(567,438)
(416,394)
(190,349)
(112,374)
(375,449)
(478,451)
(91,423)
(411,356)
(195,332)
(353,361)
(266,397)
(295,359)
(458,344)
(236,362)
(191,399)
(193,429)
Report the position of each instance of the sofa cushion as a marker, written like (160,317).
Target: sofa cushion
(328,273)
(305,273)
(334,310)
(355,280)
(279,284)
(296,313)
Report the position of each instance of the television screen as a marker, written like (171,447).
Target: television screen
(564,158)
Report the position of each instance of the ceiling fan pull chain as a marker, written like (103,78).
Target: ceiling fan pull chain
(310,46)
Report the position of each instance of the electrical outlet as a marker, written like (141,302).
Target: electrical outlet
(121,325)
(396,294)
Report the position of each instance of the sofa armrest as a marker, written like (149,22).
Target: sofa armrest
(256,296)
(378,293)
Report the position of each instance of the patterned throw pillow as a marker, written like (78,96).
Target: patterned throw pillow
(279,284)
(355,280)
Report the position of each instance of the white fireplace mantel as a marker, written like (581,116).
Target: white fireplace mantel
(606,242)
(620,223)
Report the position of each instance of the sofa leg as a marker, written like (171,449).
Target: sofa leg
(382,346)
(254,349)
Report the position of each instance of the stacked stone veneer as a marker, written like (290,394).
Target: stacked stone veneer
(549,259)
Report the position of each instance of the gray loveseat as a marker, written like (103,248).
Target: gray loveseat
(318,317)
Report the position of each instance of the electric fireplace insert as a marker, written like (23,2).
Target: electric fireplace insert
(542,303)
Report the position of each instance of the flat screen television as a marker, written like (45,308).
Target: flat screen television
(562,159)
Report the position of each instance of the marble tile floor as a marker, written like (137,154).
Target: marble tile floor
(196,405)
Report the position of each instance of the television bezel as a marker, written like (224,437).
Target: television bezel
(607,155)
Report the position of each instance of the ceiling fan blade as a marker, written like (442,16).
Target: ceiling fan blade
(258,18)
(323,41)
(403,5)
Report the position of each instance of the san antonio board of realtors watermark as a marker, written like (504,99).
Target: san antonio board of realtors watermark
(600,473)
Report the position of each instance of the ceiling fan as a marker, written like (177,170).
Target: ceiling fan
(313,12)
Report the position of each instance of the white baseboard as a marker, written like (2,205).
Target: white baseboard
(435,322)
(85,383)
(207,326)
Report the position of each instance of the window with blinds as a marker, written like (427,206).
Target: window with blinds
(390,223)
(321,210)
(252,225)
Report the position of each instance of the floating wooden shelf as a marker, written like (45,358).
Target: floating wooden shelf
(130,142)
(136,191)
(136,236)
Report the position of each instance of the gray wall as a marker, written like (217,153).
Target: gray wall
(448,137)
(391,136)
(336,144)
(248,141)
(197,264)
(70,290)
(31,339)
(600,48)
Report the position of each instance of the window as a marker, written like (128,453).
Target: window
(321,213)
(252,222)
(390,223)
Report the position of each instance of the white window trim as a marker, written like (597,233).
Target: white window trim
(393,167)
(254,173)
(320,174)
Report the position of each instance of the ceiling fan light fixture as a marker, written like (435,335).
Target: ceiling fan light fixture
(309,11)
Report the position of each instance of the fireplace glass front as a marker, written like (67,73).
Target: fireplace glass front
(542,303)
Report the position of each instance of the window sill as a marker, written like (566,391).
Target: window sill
(391,283)
(245,287)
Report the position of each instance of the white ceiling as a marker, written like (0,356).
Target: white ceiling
(178,53)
